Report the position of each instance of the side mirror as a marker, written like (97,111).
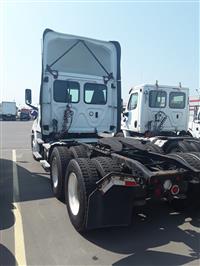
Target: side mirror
(28,96)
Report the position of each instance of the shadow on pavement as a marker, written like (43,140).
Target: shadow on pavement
(32,186)
(153,226)
(7,218)
(6,257)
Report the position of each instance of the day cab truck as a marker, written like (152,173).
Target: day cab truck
(161,114)
(100,176)
(9,111)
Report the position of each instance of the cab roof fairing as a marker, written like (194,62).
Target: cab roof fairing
(78,59)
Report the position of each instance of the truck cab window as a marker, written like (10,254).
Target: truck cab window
(95,93)
(66,91)
(177,100)
(157,99)
(133,101)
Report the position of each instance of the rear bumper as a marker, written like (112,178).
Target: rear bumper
(111,204)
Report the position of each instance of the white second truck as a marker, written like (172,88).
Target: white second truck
(100,176)
(161,114)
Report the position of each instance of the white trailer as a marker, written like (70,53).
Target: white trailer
(9,111)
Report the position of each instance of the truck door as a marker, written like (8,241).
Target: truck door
(179,110)
(131,116)
(98,107)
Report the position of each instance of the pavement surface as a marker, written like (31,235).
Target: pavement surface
(35,228)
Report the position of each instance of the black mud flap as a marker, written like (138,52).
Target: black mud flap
(114,208)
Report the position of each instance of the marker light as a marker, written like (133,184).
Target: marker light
(167,184)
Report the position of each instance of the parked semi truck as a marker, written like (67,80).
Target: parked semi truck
(9,110)
(100,176)
(161,114)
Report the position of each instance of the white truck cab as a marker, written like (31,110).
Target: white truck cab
(80,93)
(155,109)
(81,73)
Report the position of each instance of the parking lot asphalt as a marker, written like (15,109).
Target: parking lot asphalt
(35,228)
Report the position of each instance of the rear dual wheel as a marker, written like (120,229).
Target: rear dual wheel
(183,146)
(81,177)
(80,182)
(59,160)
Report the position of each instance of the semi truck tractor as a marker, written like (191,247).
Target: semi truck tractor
(160,113)
(100,176)
(9,111)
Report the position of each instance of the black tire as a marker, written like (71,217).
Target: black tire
(176,146)
(78,151)
(59,160)
(105,165)
(196,154)
(192,158)
(86,174)
(195,145)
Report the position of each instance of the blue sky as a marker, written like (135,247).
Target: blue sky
(159,40)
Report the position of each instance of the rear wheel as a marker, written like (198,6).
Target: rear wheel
(78,151)
(105,165)
(177,146)
(59,161)
(80,182)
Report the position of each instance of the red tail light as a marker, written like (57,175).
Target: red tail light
(175,189)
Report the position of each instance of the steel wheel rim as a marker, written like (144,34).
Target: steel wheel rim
(73,195)
(54,172)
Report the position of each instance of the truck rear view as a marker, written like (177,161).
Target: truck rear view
(100,178)
(9,111)
(80,89)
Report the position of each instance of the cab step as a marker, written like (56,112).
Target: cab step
(40,141)
(37,155)
(45,165)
